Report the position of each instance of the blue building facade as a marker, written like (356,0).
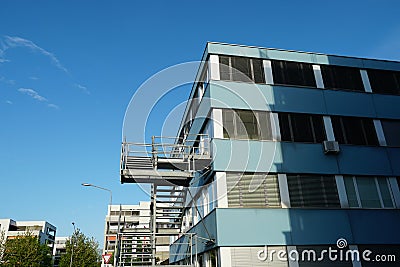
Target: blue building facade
(306,157)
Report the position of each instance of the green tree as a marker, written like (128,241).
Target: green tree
(25,251)
(84,251)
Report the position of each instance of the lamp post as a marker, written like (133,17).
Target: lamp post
(72,245)
(109,209)
(102,188)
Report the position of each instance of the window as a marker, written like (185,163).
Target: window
(247,124)
(241,69)
(336,77)
(296,127)
(247,256)
(293,73)
(354,131)
(391,129)
(384,81)
(313,191)
(241,194)
(368,192)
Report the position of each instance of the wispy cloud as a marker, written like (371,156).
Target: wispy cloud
(9,102)
(7,81)
(35,95)
(14,41)
(53,106)
(83,88)
(34,78)
(32,93)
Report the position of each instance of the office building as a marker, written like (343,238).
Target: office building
(304,153)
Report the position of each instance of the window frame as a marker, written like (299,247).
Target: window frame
(374,83)
(324,200)
(377,187)
(329,75)
(231,70)
(342,136)
(311,124)
(256,116)
(280,73)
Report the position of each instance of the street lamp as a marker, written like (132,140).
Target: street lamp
(72,245)
(109,210)
(99,187)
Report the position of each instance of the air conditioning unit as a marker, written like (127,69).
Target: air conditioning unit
(331,147)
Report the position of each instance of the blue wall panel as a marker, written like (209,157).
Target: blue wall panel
(307,158)
(364,160)
(349,103)
(297,99)
(387,106)
(260,227)
(375,226)
(394,157)
(246,155)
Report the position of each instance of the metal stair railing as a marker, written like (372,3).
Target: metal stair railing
(167,149)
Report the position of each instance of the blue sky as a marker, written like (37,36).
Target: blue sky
(68,70)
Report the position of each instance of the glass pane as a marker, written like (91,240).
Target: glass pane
(284,127)
(258,71)
(370,132)
(278,72)
(383,81)
(351,192)
(353,131)
(337,77)
(338,129)
(319,128)
(385,193)
(301,126)
(313,191)
(392,132)
(227,120)
(293,73)
(224,70)
(308,75)
(368,192)
(246,125)
(241,69)
(264,123)
(272,191)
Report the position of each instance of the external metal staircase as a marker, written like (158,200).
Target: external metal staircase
(168,165)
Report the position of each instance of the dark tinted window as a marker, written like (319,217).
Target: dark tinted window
(241,69)
(224,69)
(258,70)
(298,127)
(354,131)
(336,77)
(384,81)
(391,129)
(293,73)
(313,191)
(247,124)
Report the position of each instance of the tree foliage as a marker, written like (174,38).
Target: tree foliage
(84,251)
(25,251)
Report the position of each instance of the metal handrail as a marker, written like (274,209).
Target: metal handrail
(173,149)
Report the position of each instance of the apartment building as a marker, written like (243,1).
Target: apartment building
(45,231)
(59,249)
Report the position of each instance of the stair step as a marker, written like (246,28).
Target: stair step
(169,190)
